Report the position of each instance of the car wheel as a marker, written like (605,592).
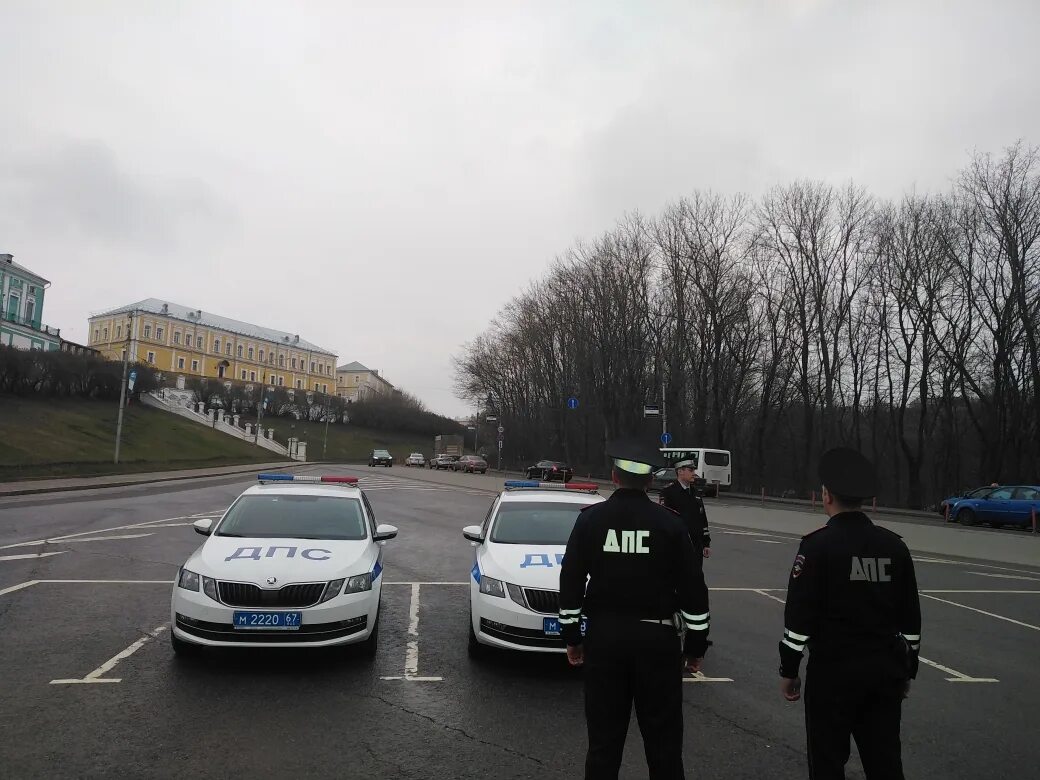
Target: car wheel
(967,517)
(369,647)
(183,649)
(475,649)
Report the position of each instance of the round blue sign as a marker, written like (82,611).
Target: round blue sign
(572,403)
(666,438)
(133,375)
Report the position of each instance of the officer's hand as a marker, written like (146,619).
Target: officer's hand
(791,688)
(692,665)
(906,690)
(707,552)
(575,655)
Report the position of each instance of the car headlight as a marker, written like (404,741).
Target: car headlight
(358,583)
(209,587)
(188,580)
(332,590)
(516,594)
(489,586)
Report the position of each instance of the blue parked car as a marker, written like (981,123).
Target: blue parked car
(981,492)
(1000,506)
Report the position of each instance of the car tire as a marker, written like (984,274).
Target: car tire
(182,648)
(475,649)
(370,646)
(967,517)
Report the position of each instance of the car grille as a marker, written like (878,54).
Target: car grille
(545,601)
(315,632)
(243,594)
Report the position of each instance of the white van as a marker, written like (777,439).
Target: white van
(715,467)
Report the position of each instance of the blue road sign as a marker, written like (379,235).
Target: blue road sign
(572,403)
(666,438)
(132,379)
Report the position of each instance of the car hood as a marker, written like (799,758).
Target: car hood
(289,560)
(529,565)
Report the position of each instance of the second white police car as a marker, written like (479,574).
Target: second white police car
(515,580)
(295,561)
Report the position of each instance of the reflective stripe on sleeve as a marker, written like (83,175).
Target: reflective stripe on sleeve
(792,645)
(694,618)
(570,611)
(795,636)
(566,621)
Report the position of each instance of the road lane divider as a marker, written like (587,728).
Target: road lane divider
(96,675)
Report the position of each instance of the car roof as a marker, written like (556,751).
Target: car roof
(550,495)
(335,490)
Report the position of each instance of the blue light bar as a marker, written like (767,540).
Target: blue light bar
(274,477)
(530,484)
(522,483)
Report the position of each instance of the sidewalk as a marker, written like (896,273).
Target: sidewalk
(28,487)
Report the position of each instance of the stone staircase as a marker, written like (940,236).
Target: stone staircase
(180,402)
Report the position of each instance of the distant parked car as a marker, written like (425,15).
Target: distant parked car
(1004,505)
(550,470)
(981,492)
(443,461)
(470,464)
(415,459)
(662,479)
(381,458)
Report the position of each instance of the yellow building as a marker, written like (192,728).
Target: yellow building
(182,342)
(355,382)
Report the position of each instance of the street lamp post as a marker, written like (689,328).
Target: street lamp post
(122,389)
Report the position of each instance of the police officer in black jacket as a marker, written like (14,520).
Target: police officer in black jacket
(681,496)
(644,585)
(852,600)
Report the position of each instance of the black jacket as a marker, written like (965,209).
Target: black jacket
(690,507)
(852,600)
(639,563)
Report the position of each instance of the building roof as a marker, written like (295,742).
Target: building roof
(179,312)
(354,366)
(12,266)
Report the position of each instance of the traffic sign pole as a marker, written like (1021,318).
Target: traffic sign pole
(122,387)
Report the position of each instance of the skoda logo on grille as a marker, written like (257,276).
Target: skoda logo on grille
(272,580)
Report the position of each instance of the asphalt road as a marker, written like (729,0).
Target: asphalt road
(83,601)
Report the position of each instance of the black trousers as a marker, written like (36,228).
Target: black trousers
(853,702)
(628,661)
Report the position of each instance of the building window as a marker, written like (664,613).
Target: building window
(199,342)
(122,354)
(252,376)
(158,334)
(227,348)
(324,388)
(180,363)
(261,356)
(194,365)
(240,350)
(243,373)
(176,337)
(151,357)
(250,353)
(293,360)
(281,358)
(119,331)
(279,381)
(299,384)
(97,335)
(312,366)
(106,334)
(216,346)
(147,331)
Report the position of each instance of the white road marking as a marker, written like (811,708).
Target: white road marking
(770,596)
(961,590)
(411,659)
(107,582)
(698,677)
(1002,576)
(107,666)
(983,612)
(768,541)
(19,586)
(426,583)
(968,563)
(957,676)
(30,555)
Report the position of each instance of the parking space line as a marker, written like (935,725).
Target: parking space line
(30,555)
(948,562)
(989,590)
(107,666)
(411,658)
(957,676)
(19,586)
(769,541)
(698,677)
(1002,576)
(983,612)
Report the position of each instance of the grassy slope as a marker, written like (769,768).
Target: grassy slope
(348,443)
(56,438)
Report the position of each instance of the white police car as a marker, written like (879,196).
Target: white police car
(515,582)
(295,561)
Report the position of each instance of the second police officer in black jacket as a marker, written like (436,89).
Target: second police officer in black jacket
(681,496)
(852,600)
(644,583)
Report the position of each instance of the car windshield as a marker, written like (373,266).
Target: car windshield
(285,516)
(535,522)
(668,474)
(381,453)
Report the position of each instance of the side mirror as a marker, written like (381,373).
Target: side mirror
(473,533)
(384,532)
(203,526)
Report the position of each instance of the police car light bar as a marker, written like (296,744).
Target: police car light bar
(305,478)
(530,484)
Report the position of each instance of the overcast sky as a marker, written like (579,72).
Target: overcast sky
(381,178)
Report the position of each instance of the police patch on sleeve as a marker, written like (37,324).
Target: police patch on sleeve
(799,565)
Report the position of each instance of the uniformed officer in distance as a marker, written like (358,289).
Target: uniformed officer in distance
(852,600)
(681,497)
(644,584)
